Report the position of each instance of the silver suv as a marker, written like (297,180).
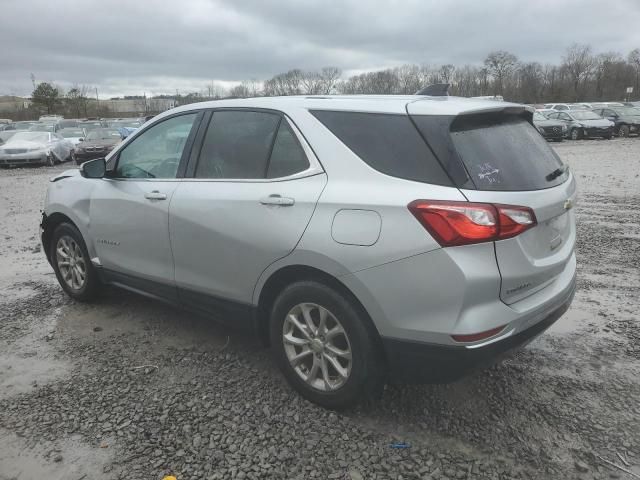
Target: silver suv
(365,238)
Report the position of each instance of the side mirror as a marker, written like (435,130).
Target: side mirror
(94,168)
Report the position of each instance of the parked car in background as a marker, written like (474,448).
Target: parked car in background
(20,125)
(626,119)
(74,135)
(97,143)
(50,118)
(6,135)
(557,106)
(550,129)
(68,123)
(584,124)
(402,237)
(90,124)
(43,127)
(35,148)
(4,122)
(606,104)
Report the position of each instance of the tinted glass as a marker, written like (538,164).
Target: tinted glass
(156,153)
(389,143)
(505,153)
(237,145)
(287,156)
(103,134)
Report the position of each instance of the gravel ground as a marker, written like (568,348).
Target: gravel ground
(130,388)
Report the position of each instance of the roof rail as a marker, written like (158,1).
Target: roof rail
(435,90)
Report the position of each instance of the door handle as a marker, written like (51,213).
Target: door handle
(155,195)
(276,199)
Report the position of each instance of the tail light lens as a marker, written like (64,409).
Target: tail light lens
(463,223)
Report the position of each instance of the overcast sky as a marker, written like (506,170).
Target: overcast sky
(158,46)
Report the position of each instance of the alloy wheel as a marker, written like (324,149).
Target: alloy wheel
(71,262)
(317,346)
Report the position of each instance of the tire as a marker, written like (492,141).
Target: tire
(558,139)
(68,239)
(623,131)
(361,374)
(50,161)
(575,134)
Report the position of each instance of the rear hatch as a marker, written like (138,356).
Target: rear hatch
(497,156)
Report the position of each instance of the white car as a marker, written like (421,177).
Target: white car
(74,135)
(35,148)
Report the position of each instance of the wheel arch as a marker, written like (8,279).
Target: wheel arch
(289,274)
(49,224)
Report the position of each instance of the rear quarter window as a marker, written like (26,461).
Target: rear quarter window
(505,153)
(386,142)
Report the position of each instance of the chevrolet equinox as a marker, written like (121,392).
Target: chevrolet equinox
(364,238)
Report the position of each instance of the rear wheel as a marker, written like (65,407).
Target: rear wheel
(623,131)
(323,346)
(72,264)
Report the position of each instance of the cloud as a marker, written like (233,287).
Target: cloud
(156,46)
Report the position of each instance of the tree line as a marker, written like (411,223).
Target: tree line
(580,76)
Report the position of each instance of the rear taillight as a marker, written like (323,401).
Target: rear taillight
(462,223)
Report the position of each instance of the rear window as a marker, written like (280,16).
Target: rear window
(505,153)
(388,143)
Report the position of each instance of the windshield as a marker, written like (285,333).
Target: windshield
(540,117)
(627,111)
(38,137)
(586,115)
(103,134)
(71,133)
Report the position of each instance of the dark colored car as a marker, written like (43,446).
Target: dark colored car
(626,119)
(98,143)
(550,129)
(584,124)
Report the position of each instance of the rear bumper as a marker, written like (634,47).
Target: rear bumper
(410,361)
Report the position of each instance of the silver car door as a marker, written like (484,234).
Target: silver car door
(129,209)
(255,188)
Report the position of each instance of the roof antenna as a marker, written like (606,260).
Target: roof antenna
(435,90)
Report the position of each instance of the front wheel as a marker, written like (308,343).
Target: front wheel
(72,264)
(324,346)
(623,131)
(575,134)
(50,160)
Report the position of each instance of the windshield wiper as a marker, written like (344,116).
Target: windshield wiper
(557,172)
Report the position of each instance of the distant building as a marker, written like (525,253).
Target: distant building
(12,104)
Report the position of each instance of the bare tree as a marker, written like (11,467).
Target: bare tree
(500,64)
(578,63)
(77,100)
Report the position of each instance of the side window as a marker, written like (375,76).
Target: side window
(156,152)
(237,145)
(287,156)
(388,143)
(562,107)
(552,115)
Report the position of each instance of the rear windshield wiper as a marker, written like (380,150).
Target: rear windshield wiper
(557,172)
